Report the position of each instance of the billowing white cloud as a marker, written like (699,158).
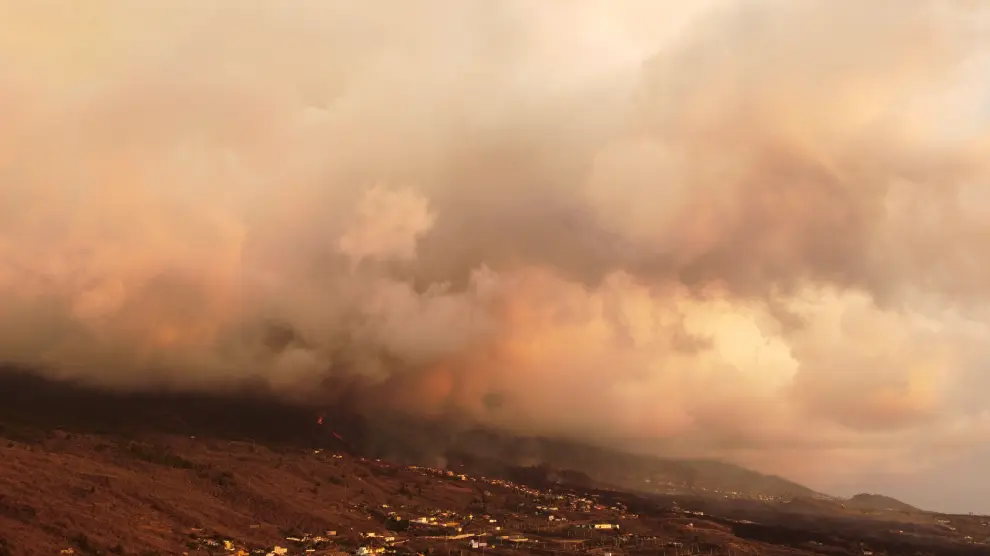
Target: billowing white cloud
(751,230)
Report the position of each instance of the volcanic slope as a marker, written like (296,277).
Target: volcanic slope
(163,473)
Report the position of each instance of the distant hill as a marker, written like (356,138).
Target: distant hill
(727,477)
(814,505)
(878,502)
(875,505)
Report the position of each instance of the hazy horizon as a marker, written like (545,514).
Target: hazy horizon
(747,230)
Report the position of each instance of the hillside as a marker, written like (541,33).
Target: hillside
(254,414)
(154,494)
(488,451)
(878,502)
(861,504)
(170,473)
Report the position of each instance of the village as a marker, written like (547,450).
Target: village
(541,521)
(301,501)
(294,500)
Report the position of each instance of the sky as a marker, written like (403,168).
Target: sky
(746,230)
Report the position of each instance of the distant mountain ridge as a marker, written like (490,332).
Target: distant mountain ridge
(493,453)
(29,400)
(878,502)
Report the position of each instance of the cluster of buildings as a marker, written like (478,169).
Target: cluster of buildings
(440,472)
(544,520)
(317,545)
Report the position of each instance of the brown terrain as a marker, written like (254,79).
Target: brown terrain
(86,472)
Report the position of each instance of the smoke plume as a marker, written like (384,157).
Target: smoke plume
(751,230)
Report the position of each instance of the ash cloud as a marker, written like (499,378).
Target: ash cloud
(750,230)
